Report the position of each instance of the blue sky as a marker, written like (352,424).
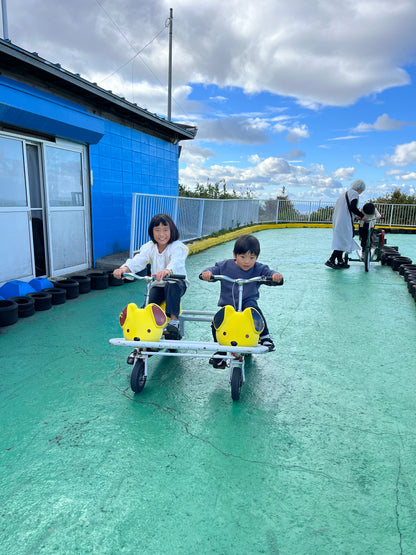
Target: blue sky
(303,94)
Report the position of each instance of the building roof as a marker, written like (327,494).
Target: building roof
(15,61)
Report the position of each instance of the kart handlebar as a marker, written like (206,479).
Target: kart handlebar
(263,280)
(131,277)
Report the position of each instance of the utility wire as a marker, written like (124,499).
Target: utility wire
(131,45)
(167,23)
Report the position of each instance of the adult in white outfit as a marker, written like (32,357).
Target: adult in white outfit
(342,224)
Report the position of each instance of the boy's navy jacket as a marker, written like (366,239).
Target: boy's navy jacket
(229,291)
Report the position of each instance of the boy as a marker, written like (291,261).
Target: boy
(372,215)
(243,266)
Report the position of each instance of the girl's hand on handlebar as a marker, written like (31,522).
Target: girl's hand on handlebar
(118,272)
(160,275)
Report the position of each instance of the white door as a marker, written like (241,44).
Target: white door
(16,252)
(44,209)
(67,208)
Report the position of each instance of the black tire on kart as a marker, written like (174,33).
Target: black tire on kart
(236,383)
(137,378)
(58,294)
(9,312)
(26,305)
(367,256)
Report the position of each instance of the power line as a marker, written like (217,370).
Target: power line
(137,54)
(131,45)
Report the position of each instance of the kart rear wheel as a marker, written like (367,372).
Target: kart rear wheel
(236,383)
(138,378)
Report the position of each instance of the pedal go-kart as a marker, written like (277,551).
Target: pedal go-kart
(237,334)
(372,250)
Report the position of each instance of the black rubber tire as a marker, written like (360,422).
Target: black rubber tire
(391,256)
(367,256)
(398,261)
(112,281)
(26,306)
(71,287)
(137,378)
(9,312)
(99,280)
(411,284)
(406,267)
(58,294)
(43,301)
(409,274)
(389,248)
(236,383)
(84,284)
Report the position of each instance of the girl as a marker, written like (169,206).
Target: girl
(166,255)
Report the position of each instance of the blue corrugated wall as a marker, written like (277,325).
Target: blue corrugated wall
(126,161)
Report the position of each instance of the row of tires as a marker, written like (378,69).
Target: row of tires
(390,256)
(23,306)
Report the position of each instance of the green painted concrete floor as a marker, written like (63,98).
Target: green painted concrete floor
(318,456)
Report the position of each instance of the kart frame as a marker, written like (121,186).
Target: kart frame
(143,350)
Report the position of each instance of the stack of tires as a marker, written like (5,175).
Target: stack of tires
(402,264)
(19,299)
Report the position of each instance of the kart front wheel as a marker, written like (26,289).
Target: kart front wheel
(138,378)
(367,256)
(236,383)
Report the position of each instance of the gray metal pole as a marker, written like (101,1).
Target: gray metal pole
(170,67)
(4,19)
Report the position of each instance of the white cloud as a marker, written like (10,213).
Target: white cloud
(343,174)
(232,129)
(346,138)
(237,43)
(297,134)
(404,154)
(382,123)
(264,177)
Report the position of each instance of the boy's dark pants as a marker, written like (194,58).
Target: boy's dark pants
(363,232)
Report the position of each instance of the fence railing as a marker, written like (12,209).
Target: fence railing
(196,217)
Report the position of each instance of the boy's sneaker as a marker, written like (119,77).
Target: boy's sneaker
(218,362)
(267,342)
(342,265)
(330,264)
(172,332)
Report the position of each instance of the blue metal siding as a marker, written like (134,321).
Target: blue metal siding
(24,106)
(124,162)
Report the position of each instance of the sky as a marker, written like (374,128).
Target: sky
(308,95)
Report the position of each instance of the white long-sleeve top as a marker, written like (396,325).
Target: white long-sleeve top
(172,258)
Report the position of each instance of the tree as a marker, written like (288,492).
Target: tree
(216,190)
(396,197)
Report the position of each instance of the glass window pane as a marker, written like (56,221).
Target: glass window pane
(12,175)
(64,173)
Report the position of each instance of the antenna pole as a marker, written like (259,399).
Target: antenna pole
(4,19)
(170,66)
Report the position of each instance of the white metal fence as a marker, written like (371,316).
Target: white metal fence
(196,217)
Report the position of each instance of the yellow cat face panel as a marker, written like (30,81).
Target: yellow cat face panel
(238,328)
(142,324)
